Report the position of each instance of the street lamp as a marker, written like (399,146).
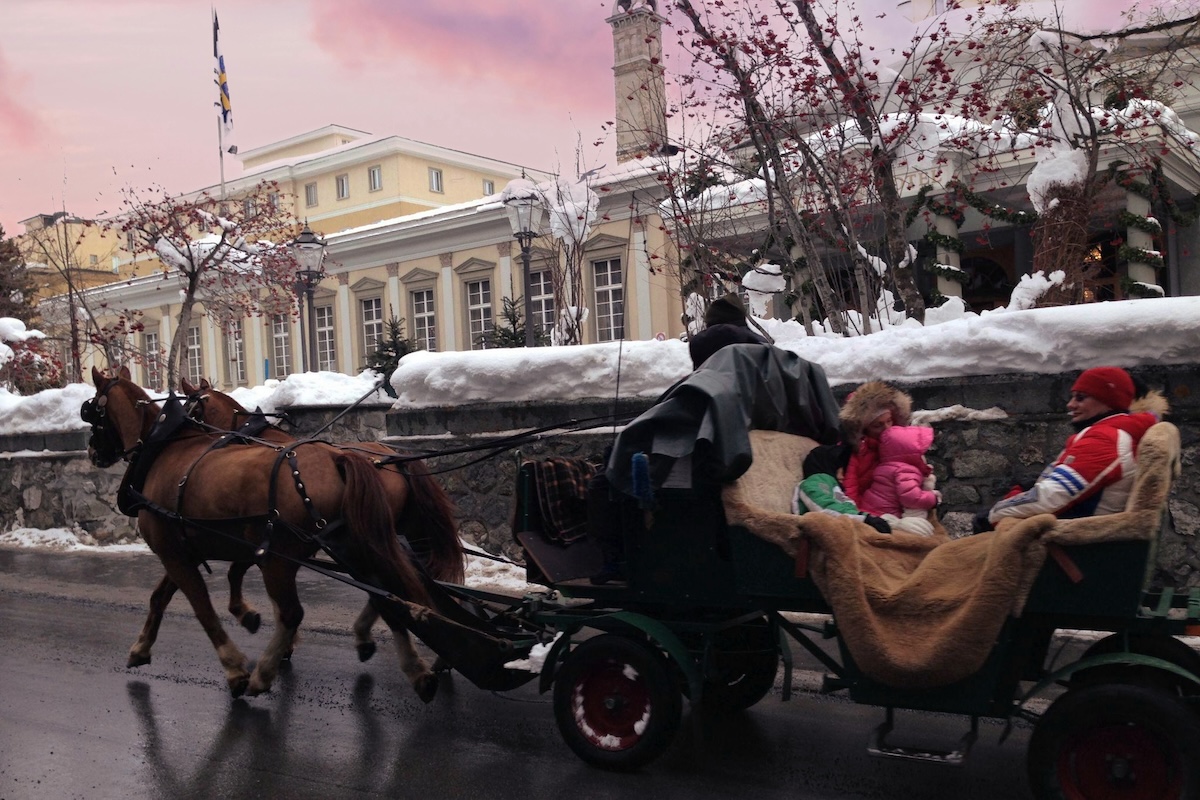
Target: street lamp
(309,252)
(523,202)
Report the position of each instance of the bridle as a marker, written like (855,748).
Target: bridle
(94,411)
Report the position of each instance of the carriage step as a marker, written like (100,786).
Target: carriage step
(879,746)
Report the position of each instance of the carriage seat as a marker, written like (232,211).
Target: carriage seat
(922,612)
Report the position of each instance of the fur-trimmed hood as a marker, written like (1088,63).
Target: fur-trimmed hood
(867,402)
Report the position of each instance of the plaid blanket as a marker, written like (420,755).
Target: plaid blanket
(561,485)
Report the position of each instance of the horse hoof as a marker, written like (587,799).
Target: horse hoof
(250,621)
(365,651)
(238,686)
(137,660)
(426,687)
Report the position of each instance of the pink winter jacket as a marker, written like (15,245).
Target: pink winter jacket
(896,484)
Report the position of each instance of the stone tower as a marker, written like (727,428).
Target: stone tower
(641,112)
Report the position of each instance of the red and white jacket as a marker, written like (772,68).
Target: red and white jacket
(1093,475)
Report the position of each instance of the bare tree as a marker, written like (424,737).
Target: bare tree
(58,248)
(572,208)
(829,130)
(228,254)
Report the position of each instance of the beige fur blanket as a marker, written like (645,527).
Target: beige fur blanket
(920,612)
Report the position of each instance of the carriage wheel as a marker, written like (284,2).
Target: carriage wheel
(1115,741)
(743,682)
(745,663)
(1168,648)
(616,702)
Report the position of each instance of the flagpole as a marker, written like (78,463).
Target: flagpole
(221,154)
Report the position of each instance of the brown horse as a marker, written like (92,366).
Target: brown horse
(422,511)
(194,503)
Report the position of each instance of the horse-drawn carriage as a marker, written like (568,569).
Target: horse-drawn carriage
(717,570)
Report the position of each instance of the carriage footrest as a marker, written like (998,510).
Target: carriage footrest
(879,746)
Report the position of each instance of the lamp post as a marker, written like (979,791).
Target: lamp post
(309,252)
(523,202)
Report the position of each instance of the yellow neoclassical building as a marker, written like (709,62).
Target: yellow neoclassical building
(418,232)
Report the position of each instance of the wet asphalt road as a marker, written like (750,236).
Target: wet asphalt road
(75,723)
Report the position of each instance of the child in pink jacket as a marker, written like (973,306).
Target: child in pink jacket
(902,486)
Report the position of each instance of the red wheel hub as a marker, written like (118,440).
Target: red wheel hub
(1119,762)
(611,706)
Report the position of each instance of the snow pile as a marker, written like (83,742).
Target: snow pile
(554,374)
(13,331)
(952,343)
(48,411)
(313,389)
(572,208)
(63,540)
(761,283)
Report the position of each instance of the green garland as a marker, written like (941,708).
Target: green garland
(946,210)
(1137,255)
(917,204)
(1132,288)
(952,243)
(989,209)
(1143,224)
(923,200)
(1156,190)
(950,273)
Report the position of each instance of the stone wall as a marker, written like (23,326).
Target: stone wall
(62,490)
(976,462)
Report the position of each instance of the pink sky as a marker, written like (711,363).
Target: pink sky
(97,95)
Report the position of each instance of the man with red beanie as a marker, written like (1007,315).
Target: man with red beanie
(1094,473)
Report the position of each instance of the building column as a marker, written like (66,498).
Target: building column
(296,333)
(948,287)
(164,330)
(211,343)
(640,264)
(509,287)
(252,338)
(1138,271)
(447,320)
(345,328)
(395,309)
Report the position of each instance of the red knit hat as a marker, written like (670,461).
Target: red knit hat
(1110,385)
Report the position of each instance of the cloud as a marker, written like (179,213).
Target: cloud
(20,126)
(544,52)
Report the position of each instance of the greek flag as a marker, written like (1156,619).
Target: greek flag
(223,89)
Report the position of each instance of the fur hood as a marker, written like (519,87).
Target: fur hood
(1152,402)
(867,402)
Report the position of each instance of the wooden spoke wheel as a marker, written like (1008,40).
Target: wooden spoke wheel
(1116,742)
(616,702)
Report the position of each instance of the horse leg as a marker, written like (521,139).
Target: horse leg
(363,641)
(187,578)
(139,654)
(280,579)
(242,611)
(423,680)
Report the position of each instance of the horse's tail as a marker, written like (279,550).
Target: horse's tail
(366,511)
(428,521)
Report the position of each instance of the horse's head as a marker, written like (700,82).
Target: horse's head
(116,414)
(214,408)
